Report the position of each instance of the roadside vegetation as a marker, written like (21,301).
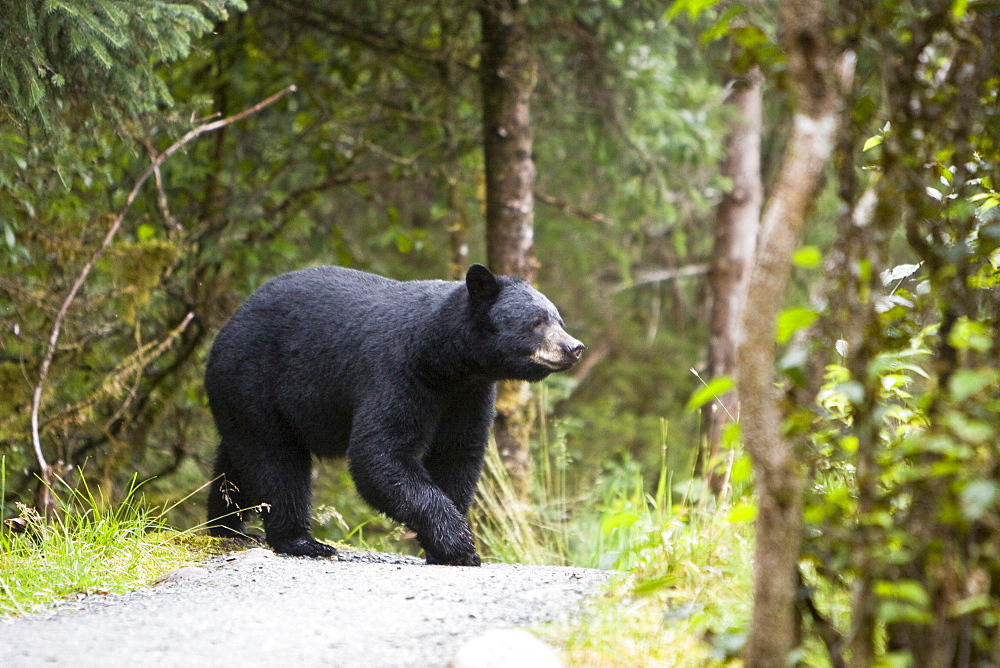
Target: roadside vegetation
(91,547)
(680,598)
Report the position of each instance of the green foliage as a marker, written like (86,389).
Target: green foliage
(905,498)
(900,435)
(684,606)
(710,391)
(342,516)
(92,547)
(683,565)
(681,598)
(920,458)
(98,54)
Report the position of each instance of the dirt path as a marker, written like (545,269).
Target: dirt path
(257,609)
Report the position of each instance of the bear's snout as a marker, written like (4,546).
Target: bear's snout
(558,351)
(574,349)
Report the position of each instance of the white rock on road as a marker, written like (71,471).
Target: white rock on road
(257,609)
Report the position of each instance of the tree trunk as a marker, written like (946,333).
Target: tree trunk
(732,256)
(774,630)
(507,74)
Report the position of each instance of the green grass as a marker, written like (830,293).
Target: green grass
(90,547)
(681,596)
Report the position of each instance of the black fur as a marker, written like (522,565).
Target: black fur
(398,376)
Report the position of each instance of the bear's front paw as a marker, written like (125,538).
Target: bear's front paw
(450,542)
(461,551)
(470,559)
(304,547)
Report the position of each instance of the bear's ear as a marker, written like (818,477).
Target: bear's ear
(482,284)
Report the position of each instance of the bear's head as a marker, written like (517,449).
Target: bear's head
(523,331)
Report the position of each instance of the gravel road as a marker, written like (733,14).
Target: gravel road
(254,608)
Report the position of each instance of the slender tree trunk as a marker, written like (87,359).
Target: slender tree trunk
(508,74)
(813,71)
(732,257)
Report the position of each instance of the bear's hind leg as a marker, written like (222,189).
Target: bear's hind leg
(226,501)
(284,483)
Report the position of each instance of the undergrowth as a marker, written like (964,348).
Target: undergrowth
(89,547)
(682,596)
(681,592)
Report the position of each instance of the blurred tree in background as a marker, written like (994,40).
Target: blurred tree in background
(508,73)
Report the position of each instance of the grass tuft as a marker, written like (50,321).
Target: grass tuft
(90,547)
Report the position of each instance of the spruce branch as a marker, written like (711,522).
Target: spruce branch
(46,499)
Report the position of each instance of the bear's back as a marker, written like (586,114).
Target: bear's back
(303,328)
(307,346)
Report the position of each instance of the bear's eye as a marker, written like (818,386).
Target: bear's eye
(538,321)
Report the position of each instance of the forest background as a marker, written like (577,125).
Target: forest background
(868,370)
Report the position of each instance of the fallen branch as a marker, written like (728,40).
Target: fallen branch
(662,275)
(566,207)
(46,500)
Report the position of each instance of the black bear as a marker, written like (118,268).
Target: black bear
(398,376)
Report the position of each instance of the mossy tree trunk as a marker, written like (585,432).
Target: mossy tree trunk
(508,72)
(817,75)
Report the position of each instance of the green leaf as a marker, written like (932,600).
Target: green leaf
(968,334)
(706,393)
(742,470)
(971,604)
(742,513)
(692,7)
(807,257)
(145,231)
(622,520)
(654,584)
(910,591)
(792,320)
(731,435)
(989,204)
(404,244)
(966,382)
(891,611)
(871,142)
(749,37)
